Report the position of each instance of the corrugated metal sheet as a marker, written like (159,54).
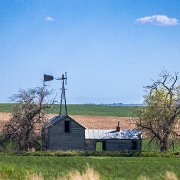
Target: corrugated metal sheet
(95,133)
(111,134)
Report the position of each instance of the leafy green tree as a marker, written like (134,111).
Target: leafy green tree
(161,110)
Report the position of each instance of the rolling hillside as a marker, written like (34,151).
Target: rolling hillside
(86,110)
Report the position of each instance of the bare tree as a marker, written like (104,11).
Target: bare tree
(27,118)
(161,111)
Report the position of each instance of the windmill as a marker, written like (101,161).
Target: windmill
(63,78)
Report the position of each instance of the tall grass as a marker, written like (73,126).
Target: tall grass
(91,174)
(153,147)
(19,167)
(88,174)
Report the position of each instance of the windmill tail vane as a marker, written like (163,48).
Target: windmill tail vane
(63,78)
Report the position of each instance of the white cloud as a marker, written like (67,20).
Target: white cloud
(158,20)
(49,19)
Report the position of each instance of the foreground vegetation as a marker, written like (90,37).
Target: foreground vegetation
(152,147)
(106,165)
(99,165)
(88,110)
(17,167)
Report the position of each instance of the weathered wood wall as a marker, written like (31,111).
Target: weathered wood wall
(90,145)
(121,144)
(58,139)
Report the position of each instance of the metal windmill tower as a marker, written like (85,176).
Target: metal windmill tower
(63,78)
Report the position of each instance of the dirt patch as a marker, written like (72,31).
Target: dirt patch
(92,122)
(4,116)
(105,122)
(97,122)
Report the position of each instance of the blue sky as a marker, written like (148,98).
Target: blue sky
(110,48)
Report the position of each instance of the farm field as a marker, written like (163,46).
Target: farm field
(87,110)
(107,167)
(17,167)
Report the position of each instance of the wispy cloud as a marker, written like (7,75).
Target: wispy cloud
(49,19)
(158,20)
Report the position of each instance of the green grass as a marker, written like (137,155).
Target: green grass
(146,147)
(16,167)
(88,110)
(5,107)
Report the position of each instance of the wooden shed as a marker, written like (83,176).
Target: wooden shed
(113,140)
(65,133)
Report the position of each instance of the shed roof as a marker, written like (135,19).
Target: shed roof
(56,119)
(91,133)
(111,134)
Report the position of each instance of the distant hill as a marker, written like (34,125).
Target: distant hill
(118,104)
(86,109)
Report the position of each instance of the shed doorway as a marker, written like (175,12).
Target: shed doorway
(101,146)
(134,145)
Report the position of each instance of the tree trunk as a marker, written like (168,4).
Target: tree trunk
(163,145)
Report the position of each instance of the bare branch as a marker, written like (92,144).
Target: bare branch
(162,109)
(27,118)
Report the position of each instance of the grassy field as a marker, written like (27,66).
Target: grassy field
(146,147)
(17,167)
(88,110)
(50,165)
(107,167)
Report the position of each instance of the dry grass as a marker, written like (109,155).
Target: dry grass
(143,178)
(34,177)
(89,174)
(170,176)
